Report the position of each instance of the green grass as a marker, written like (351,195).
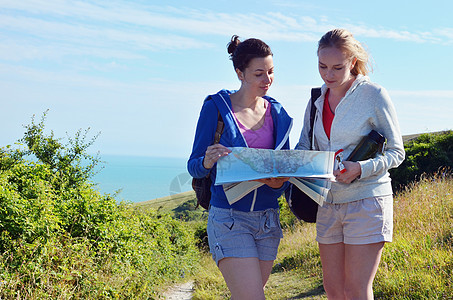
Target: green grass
(61,239)
(418,264)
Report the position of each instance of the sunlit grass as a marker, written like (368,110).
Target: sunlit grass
(418,264)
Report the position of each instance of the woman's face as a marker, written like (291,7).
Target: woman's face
(335,68)
(258,76)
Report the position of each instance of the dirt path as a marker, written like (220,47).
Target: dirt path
(180,291)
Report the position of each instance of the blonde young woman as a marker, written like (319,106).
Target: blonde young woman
(357,220)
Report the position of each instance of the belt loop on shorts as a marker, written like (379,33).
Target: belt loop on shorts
(268,221)
(231,212)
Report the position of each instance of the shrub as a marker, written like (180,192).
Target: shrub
(287,218)
(426,154)
(60,238)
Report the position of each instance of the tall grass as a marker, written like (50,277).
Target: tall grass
(418,264)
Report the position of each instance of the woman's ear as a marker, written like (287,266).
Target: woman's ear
(354,60)
(240,74)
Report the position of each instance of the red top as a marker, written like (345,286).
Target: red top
(327,115)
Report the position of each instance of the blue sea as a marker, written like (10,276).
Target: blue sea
(142,178)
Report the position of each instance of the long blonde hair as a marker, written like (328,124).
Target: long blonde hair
(345,41)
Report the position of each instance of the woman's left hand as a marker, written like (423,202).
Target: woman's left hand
(275,182)
(353,171)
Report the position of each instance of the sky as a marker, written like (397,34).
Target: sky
(137,71)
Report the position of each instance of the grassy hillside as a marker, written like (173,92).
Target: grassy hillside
(168,203)
(411,137)
(180,206)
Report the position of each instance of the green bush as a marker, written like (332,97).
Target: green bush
(188,211)
(201,235)
(287,218)
(427,154)
(60,238)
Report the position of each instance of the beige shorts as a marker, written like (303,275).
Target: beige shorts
(365,221)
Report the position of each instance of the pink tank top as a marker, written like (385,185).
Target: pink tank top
(263,137)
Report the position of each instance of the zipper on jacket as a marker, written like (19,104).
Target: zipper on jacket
(285,138)
(254,200)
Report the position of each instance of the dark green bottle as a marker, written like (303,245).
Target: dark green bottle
(368,147)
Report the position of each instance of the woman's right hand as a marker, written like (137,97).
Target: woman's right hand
(213,153)
(353,171)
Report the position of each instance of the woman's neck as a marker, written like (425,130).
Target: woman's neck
(335,95)
(242,100)
(340,92)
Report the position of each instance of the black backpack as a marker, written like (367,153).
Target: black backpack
(202,186)
(302,206)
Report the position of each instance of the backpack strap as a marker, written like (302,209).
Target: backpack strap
(218,134)
(315,94)
(220,123)
(219,129)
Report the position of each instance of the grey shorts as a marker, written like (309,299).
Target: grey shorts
(233,233)
(365,221)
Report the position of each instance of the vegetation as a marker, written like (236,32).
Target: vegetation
(180,206)
(418,264)
(425,154)
(61,239)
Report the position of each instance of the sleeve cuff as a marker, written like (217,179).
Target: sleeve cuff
(365,168)
(202,171)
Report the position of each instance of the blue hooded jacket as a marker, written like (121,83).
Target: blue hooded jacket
(265,196)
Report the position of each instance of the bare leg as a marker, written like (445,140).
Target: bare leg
(266,269)
(244,277)
(349,270)
(361,264)
(333,269)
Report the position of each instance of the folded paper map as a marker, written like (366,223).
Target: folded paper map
(238,170)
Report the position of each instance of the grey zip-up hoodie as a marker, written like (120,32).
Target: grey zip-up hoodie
(366,106)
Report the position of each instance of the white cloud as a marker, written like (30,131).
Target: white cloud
(96,36)
(445,35)
(96,62)
(101,21)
